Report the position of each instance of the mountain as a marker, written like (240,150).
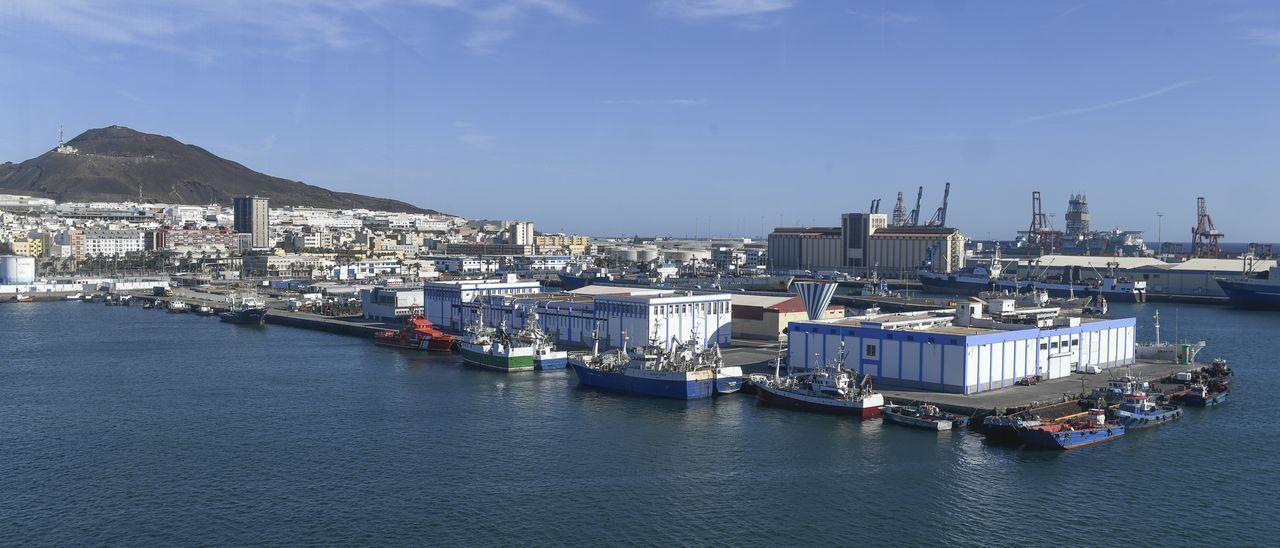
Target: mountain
(110,164)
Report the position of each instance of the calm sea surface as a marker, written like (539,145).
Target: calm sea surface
(131,426)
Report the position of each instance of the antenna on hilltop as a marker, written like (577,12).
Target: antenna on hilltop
(59,135)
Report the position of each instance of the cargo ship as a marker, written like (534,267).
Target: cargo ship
(418,333)
(687,371)
(926,416)
(244,309)
(1072,433)
(1261,293)
(978,279)
(498,348)
(830,389)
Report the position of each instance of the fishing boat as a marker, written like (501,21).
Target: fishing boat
(418,333)
(1072,433)
(1254,292)
(148,305)
(1004,428)
(829,389)
(203,310)
(1169,352)
(124,300)
(245,309)
(178,307)
(527,349)
(21,298)
(1118,389)
(1202,394)
(1139,410)
(687,370)
(75,297)
(926,416)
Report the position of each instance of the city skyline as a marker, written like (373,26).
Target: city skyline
(732,118)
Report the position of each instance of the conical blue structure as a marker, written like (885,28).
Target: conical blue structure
(816,296)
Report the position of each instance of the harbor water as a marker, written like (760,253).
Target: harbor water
(129,426)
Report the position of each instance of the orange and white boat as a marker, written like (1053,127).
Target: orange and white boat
(418,334)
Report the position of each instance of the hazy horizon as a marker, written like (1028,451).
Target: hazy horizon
(698,117)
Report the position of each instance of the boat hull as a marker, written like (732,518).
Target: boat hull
(640,385)
(867,408)
(498,361)
(1208,401)
(1070,439)
(1259,296)
(1136,420)
(245,317)
(937,425)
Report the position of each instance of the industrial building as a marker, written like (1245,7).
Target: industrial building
(867,242)
(390,304)
(638,313)
(442,301)
(900,251)
(767,316)
(972,349)
(806,248)
(17,269)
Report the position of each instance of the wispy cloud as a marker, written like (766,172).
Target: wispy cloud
(1265,37)
(1104,106)
(468,135)
(665,102)
(268,26)
(707,9)
(885,17)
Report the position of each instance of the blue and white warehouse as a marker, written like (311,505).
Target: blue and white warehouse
(964,352)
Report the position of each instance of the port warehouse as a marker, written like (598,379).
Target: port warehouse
(1190,278)
(931,351)
(572,317)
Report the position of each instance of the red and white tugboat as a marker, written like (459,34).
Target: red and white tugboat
(417,334)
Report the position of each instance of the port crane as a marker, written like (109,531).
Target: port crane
(1204,236)
(914,218)
(940,216)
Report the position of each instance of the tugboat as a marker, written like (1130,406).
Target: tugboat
(525,350)
(1072,433)
(244,309)
(1004,428)
(418,333)
(926,416)
(1137,410)
(830,389)
(687,371)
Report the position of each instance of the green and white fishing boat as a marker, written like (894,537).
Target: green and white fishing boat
(528,349)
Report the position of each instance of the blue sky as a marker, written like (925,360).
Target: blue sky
(686,116)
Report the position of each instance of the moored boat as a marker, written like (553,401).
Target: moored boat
(1072,433)
(528,349)
(204,310)
(1201,394)
(1004,428)
(1140,411)
(925,416)
(178,307)
(685,371)
(418,333)
(244,309)
(830,389)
